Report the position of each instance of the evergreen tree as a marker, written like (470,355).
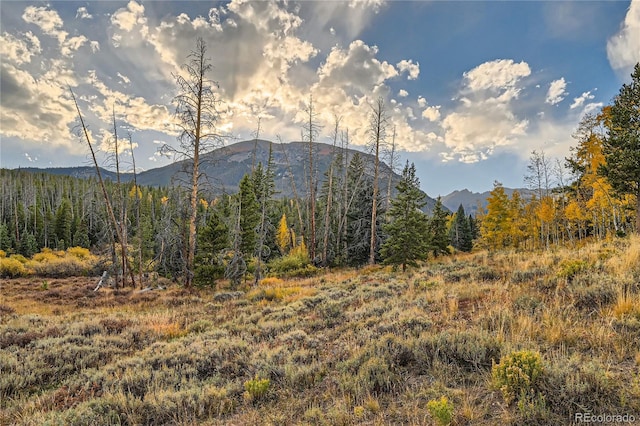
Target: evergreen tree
(622,147)
(81,235)
(407,232)
(437,230)
(213,239)
(6,242)
(358,235)
(63,224)
(28,245)
(249,217)
(460,232)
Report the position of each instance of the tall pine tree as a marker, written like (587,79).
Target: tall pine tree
(407,232)
(437,230)
(622,147)
(460,232)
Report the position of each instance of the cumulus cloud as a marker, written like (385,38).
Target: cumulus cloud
(496,75)
(623,48)
(484,120)
(403,93)
(35,109)
(48,20)
(432,113)
(19,50)
(556,92)
(413,70)
(580,100)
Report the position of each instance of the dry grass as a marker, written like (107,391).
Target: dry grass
(369,346)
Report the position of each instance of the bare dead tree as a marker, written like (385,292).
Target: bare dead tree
(311,132)
(123,202)
(107,201)
(197,115)
(392,165)
(378,122)
(327,213)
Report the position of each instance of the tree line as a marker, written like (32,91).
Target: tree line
(344,218)
(593,193)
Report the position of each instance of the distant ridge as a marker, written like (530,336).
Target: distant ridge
(471,201)
(224,167)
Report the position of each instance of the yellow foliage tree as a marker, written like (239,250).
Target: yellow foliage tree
(283,236)
(495,229)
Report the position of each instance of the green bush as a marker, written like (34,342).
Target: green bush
(569,269)
(517,374)
(256,388)
(441,410)
(296,259)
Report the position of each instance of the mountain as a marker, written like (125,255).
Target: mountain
(224,167)
(471,200)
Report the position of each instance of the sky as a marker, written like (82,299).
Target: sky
(471,88)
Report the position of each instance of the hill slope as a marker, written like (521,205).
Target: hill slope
(224,167)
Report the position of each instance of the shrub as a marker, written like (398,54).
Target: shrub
(472,351)
(3,254)
(570,268)
(441,410)
(528,304)
(485,273)
(79,252)
(571,383)
(528,276)
(20,258)
(517,374)
(375,376)
(296,259)
(594,297)
(271,282)
(256,388)
(11,268)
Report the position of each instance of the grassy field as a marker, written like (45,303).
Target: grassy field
(480,339)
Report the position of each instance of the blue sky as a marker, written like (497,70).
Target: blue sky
(470,87)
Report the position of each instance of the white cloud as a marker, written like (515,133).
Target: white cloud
(127,18)
(432,113)
(496,75)
(556,92)
(359,65)
(19,50)
(72,44)
(95,46)
(83,13)
(413,70)
(123,78)
(623,49)
(580,100)
(48,20)
(422,102)
(37,109)
(403,93)
(484,120)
